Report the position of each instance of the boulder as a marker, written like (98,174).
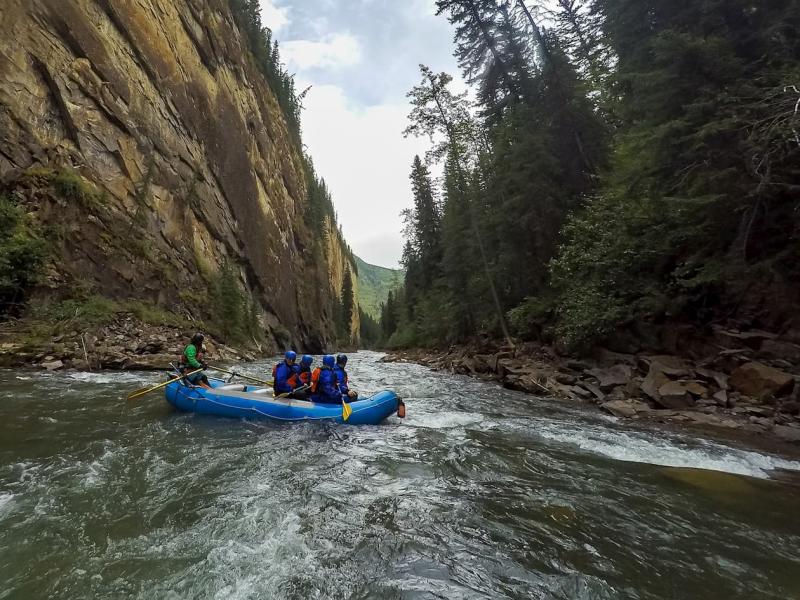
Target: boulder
(608,358)
(720,379)
(149,362)
(669,365)
(788,434)
(760,381)
(615,376)
(777,349)
(721,398)
(790,408)
(596,391)
(697,390)
(753,338)
(654,380)
(54,365)
(674,395)
(582,392)
(620,408)
(566,379)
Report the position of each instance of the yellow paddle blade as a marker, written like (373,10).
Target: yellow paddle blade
(346,410)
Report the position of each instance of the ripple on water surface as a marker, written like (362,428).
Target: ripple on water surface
(480,493)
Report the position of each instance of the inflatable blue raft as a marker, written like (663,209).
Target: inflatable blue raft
(248,402)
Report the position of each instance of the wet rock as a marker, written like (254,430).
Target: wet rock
(617,375)
(674,395)
(759,381)
(787,433)
(620,408)
(54,365)
(669,365)
(582,392)
(721,398)
(149,362)
(720,379)
(596,391)
(790,408)
(777,349)
(697,390)
(753,338)
(566,379)
(654,380)
(608,358)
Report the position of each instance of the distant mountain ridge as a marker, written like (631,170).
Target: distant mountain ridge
(374,285)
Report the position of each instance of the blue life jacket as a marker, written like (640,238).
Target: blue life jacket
(285,378)
(341,377)
(326,388)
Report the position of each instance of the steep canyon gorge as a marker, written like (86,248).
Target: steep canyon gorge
(144,140)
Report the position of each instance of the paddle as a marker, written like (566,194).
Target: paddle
(144,391)
(346,410)
(287,394)
(261,381)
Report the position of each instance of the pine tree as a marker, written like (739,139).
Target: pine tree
(437,112)
(348,306)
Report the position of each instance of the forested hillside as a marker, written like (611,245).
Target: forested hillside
(630,165)
(374,285)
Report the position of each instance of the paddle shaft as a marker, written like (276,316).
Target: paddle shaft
(261,381)
(144,391)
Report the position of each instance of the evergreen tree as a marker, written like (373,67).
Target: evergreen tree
(348,306)
(438,112)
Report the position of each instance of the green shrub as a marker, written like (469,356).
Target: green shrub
(73,187)
(233,315)
(22,256)
(529,319)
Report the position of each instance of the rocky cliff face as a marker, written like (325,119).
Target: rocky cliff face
(144,138)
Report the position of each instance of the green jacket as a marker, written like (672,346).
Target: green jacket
(190,357)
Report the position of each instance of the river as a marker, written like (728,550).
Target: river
(480,493)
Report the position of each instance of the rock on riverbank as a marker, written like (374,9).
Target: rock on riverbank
(749,385)
(124,344)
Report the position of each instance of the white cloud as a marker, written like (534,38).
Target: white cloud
(333,52)
(274,17)
(365,160)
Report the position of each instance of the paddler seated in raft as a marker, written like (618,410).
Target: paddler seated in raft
(192,360)
(304,378)
(342,378)
(324,384)
(285,375)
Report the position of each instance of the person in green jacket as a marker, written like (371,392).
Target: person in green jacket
(193,360)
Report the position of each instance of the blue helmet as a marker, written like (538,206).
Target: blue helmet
(307,360)
(329,361)
(341,359)
(290,355)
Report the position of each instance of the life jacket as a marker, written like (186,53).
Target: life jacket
(305,376)
(315,378)
(342,378)
(183,363)
(291,380)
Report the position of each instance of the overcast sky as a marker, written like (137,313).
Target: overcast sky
(362,57)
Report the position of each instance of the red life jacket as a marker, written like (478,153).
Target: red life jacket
(315,380)
(305,377)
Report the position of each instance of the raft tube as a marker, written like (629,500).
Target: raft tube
(247,402)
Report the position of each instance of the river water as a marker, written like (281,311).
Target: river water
(479,493)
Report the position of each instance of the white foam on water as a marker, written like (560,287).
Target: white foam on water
(6,501)
(450,420)
(113,377)
(639,448)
